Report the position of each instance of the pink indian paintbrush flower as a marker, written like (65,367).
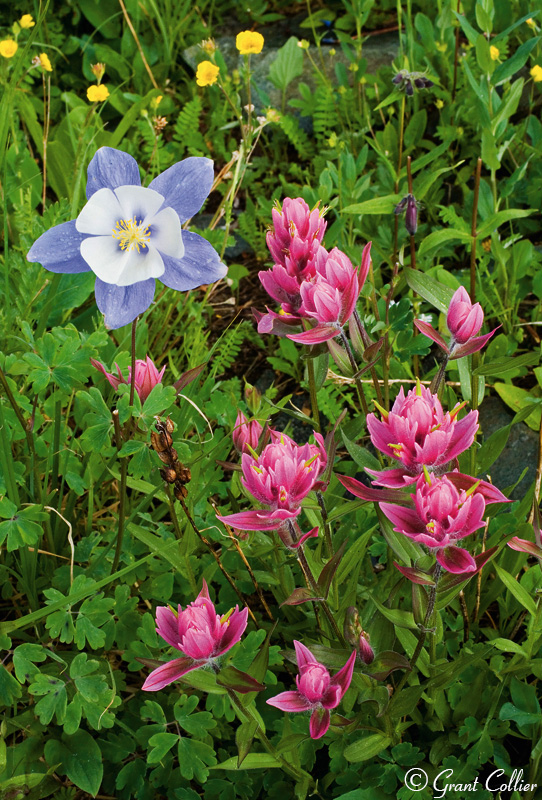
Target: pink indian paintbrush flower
(316,691)
(246,434)
(442,514)
(279,478)
(146,376)
(330,297)
(526,546)
(198,632)
(296,234)
(417,433)
(464,320)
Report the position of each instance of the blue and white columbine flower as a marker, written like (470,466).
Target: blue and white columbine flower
(129,235)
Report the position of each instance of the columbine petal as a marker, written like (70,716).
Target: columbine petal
(111,168)
(102,212)
(456,560)
(122,304)
(121,267)
(200,265)
(59,249)
(139,202)
(168,673)
(185,185)
(166,233)
(319,723)
(332,697)
(167,625)
(289,701)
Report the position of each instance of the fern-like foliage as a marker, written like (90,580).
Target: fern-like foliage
(325,113)
(228,348)
(296,135)
(187,133)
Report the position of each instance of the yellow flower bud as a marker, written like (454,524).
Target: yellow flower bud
(27,21)
(98,70)
(494,52)
(536,73)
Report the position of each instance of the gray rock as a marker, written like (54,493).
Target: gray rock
(520,451)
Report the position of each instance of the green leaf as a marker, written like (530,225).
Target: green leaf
(516,589)
(161,744)
(515,63)
(508,646)
(79,758)
(288,64)
(378,205)
(468,30)
(518,399)
(252,761)
(496,220)
(195,758)
(509,106)
(244,736)
(438,238)
(10,688)
(366,748)
(504,365)
(490,154)
(404,703)
(399,617)
(428,181)
(430,289)
(24,658)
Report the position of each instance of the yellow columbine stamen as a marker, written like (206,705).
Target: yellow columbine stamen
(226,618)
(131,235)
(383,411)
(427,475)
(455,411)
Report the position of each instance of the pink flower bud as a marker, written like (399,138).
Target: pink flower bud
(366,652)
(246,433)
(297,232)
(146,376)
(464,319)
(198,632)
(316,690)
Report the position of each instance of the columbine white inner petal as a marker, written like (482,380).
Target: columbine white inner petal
(120,267)
(100,214)
(166,233)
(139,202)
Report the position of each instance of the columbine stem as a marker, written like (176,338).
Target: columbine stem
(122,492)
(429,618)
(359,385)
(437,380)
(132,376)
(399,164)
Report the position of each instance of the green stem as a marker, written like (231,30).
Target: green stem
(429,617)
(313,394)
(359,385)
(132,376)
(437,380)
(245,714)
(51,298)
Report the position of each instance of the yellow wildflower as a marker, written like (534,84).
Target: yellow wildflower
(8,48)
(536,73)
(249,42)
(27,21)
(303,44)
(531,23)
(97,94)
(494,52)
(439,103)
(207,73)
(45,63)
(486,244)
(441,46)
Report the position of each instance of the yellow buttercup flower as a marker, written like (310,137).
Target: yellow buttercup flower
(97,94)
(8,48)
(439,103)
(249,42)
(27,21)
(45,63)
(531,23)
(494,52)
(207,73)
(536,73)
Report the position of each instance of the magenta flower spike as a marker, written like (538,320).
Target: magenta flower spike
(330,298)
(296,234)
(442,514)
(246,434)
(464,321)
(198,632)
(417,433)
(279,478)
(316,691)
(146,376)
